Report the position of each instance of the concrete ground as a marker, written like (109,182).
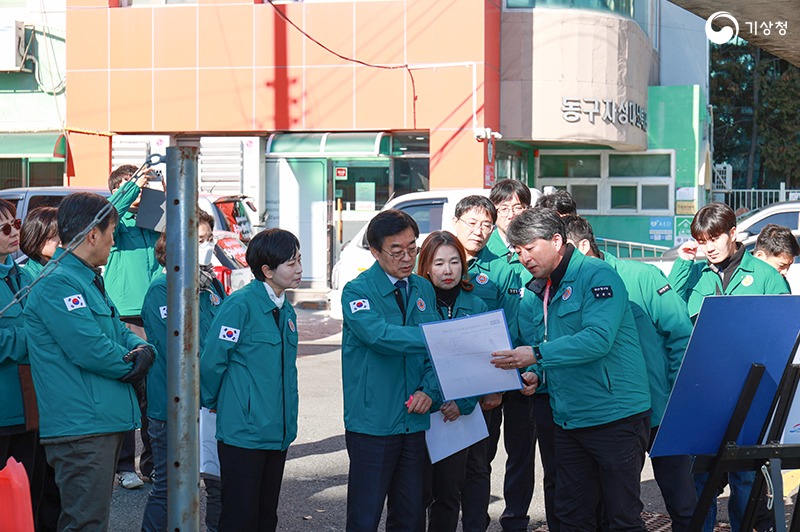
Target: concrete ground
(315,480)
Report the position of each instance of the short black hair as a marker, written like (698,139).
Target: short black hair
(560,201)
(506,189)
(204,217)
(775,240)
(388,223)
(579,228)
(40,225)
(713,220)
(480,203)
(119,175)
(77,211)
(270,248)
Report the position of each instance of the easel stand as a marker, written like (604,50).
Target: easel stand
(733,457)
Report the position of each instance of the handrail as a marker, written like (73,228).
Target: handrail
(625,249)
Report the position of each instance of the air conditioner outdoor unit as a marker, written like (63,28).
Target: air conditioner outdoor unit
(12,44)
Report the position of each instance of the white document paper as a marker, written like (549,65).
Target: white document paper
(447,438)
(461,352)
(209,459)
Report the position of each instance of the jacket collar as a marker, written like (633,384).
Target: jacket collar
(83,271)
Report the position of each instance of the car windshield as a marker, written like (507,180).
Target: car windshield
(233,215)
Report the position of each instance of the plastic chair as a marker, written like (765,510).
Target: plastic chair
(16,514)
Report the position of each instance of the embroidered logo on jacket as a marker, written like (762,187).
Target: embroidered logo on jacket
(747,281)
(482,278)
(359,304)
(567,293)
(421,304)
(664,289)
(74,302)
(214,298)
(291,325)
(229,334)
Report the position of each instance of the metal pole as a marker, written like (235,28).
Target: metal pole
(183,374)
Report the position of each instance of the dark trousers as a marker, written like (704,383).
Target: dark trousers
(381,467)
(127,455)
(444,482)
(601,462)
(478,482)
(85,478)
(519,434)
(251,486)
(674,477)
(546,438)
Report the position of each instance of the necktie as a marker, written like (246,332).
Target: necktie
(402,286)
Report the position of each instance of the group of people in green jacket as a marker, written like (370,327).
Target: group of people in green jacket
(598,341)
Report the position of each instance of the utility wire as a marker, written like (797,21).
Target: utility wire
(356,61)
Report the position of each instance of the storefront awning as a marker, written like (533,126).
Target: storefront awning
(329,144)
(33,145)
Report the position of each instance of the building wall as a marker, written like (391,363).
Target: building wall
(35,100)
(588,57)
(238,68)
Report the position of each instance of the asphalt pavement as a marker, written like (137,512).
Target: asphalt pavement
(314,491)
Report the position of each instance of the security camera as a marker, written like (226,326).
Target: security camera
(481,133)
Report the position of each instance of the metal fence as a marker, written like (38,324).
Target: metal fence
(624,249)
(754,198)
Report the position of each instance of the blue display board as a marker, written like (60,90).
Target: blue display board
(731,333)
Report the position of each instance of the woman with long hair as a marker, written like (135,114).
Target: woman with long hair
(443,261)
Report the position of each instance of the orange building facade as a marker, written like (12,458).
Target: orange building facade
(232,67)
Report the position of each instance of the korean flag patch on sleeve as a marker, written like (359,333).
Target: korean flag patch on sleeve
(229,334)
(359,304)
(74,302)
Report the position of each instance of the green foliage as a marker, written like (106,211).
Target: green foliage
(780,127)
(735,69)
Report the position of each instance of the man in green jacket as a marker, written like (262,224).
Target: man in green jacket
(85,364)
(588,354)
(388,380)
(664,331)
(510,197)
(730,270)
(497,283)
(131,267)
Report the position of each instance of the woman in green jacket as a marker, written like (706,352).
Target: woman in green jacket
(443,261)
(248,373)
(154,316)
(38,239)
(16,440)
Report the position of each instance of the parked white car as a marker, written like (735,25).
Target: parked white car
(432,210)
(748,226)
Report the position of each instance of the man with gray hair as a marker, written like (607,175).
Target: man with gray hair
(582,342)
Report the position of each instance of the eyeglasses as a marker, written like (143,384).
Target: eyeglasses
(398,255)
(505,209)
(6,228)
(485,227)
